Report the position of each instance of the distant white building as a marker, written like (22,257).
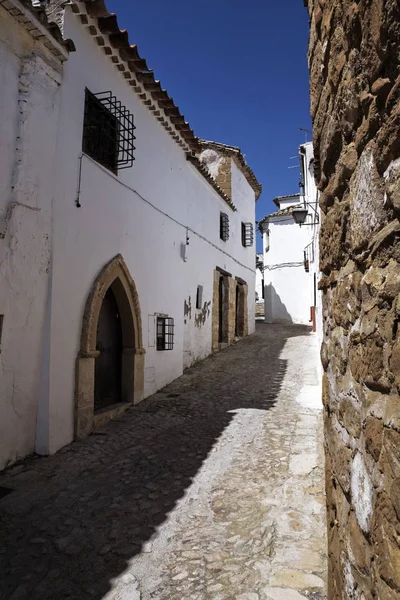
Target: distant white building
(290,253)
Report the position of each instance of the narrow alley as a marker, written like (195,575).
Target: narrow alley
(213,488)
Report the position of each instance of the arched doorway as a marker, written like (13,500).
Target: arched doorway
(110,364)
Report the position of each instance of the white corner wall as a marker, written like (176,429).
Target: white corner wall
(288,287)
(28,130)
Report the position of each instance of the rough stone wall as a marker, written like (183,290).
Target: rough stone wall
(354,61)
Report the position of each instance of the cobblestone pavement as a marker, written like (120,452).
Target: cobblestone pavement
(210,489)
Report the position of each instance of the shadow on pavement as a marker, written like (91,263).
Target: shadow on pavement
(76,518)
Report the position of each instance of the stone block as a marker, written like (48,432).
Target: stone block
(386,542)
(84,422)
(349,416)
(395,361)
(391,444)
(384,592)
(332,237)
(373,433)
(381,86)
(340,457)
(366,362)
(394,495)
(85,377)
(367,209)
(359,544)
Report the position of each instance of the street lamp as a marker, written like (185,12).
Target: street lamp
(300,213)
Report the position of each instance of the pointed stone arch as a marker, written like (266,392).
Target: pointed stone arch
(114,275)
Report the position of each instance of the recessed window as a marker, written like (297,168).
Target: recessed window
(108,131)
(165,333)
(1,328)
(199,296)
(247,234)
(224,227)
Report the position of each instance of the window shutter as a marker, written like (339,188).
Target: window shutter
(247,234)
(224,227)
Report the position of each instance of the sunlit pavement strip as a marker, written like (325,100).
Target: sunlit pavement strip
(252,524)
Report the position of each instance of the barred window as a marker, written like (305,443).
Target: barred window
(224,227)
(247,234)
(108,131)
(165,333)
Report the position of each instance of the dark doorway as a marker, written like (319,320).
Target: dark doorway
(240,310)
(237,312)
(220,308)
(108,365)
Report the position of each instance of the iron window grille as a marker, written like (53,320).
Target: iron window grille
(308,256)
(165,333)
(108,131)
(247,234)
(224,227)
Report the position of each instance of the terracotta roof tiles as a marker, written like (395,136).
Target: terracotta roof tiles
(283,212)
(279,198)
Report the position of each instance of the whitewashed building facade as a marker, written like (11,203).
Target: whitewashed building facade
(291,255)
(139,257)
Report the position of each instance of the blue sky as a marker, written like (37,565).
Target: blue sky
(237,71)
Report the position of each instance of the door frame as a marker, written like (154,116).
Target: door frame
(116,275)
(220,310)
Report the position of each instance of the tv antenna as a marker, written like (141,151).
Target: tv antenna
(305,132)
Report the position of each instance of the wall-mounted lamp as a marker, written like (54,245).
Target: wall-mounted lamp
(300,213)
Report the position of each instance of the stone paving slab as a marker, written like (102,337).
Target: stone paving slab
(211,489)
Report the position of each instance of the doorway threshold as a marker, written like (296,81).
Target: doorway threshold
(103,415)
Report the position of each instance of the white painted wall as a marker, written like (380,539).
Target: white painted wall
(289,289)
(29,102)
(287,285)
(312,196)
(288,201)
(114,218)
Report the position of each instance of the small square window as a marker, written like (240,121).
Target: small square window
(224,227)
(247,234)
(199,296)
(165,333)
